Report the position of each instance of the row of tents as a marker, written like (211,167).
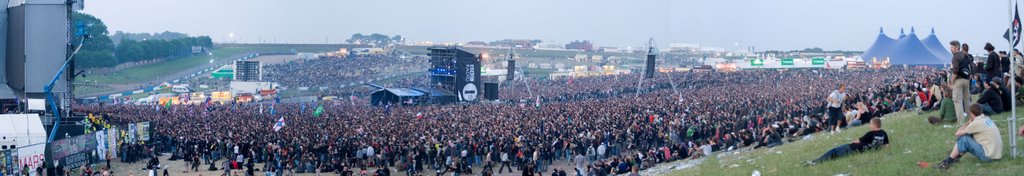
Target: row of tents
(908,49)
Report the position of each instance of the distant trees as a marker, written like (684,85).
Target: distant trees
(375,39)
(166,35)
(131,50)
(97,51)
(101,51)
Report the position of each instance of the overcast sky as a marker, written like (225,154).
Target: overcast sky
(775,24)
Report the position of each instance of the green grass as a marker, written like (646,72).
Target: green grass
(146,73)
(912,140)
(89,89)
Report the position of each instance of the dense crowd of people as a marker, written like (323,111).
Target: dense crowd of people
(598,123)
(331,72)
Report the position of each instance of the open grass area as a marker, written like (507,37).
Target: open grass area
(149,72)
(89,89)
(168,69)
(912,140)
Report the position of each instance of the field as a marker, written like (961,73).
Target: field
(912,140)
(152,74)
(146,73)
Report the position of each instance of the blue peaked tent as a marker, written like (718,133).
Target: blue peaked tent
(908,49)
(937,48)
(881,48)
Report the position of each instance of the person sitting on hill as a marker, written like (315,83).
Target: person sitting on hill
(947,113)
(1004,92)
(989,100)
(980,137)
(874,139)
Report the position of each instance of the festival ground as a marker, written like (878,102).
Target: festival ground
(179,168)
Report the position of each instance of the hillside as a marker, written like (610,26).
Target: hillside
(913,140)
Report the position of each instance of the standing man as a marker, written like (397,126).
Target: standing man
(961,72)
(835,108)
(993,66)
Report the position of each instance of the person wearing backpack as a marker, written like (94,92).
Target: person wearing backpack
(960,79)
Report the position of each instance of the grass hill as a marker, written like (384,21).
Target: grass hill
(912,140)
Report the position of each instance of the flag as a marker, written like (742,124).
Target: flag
(303,110)
(208,101)
(537,102)
(168,104)
(419,115)
(279,124)
(319,110)
(277,99)
(272,109)
(1013,34)
(570,80)
(651,118)
(261,108)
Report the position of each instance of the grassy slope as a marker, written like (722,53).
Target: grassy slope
(148,72)
(142,74)
(912,140)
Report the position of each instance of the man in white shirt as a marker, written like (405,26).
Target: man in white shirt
(835,108)
(706,148)
(504,162)
(581,165)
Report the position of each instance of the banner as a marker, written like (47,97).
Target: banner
(32,156)
(9,162)
(75,151)
(101,145)
(143,130)
(818,61)
(131,133)
(112,142)
(757,62)
(787,61)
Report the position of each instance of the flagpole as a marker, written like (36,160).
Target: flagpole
(1013,91)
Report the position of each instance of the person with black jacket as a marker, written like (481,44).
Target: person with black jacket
(1004,93)
(872,140)
(992,68)
(990,101)
(1004,61)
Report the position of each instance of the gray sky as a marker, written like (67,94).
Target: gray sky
(775,24)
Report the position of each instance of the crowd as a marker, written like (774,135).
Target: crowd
(327,74)
(606,131)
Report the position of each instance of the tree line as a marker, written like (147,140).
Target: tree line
(100,51)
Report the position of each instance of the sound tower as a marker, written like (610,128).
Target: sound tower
(456,71)
(248,71)
(652,54)
(511,74)
(491,91)
(649,71)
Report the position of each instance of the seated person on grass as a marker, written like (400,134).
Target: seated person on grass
(874,139)
(980,137)
(947,114)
